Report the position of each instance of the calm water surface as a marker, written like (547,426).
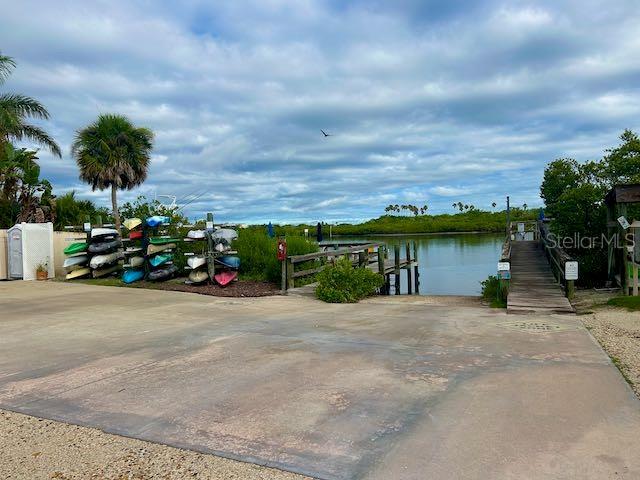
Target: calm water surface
(450,264)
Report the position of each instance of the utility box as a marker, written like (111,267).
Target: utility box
(29,245)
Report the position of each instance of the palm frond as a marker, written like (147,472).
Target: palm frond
(7,64)
(23,106)
(37,135)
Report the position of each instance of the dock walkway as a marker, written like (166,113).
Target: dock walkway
(533,288)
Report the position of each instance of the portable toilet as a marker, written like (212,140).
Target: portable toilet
(29,245)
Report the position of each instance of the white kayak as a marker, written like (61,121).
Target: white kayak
(226,234)
(101,260)
(153,249)
(196,234)
(133,249)
(136,261)
(198,276)
(103,232)
(79,273)
(196,261)
(76,260)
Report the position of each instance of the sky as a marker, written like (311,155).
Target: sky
(427,102)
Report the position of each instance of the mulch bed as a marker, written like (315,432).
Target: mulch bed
(241,288)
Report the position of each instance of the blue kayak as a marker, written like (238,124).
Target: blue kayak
(130,276)
(158,220)
(229,261)
(159,259)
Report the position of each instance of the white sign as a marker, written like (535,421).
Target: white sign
(571,270)
(86,227)
(504,266)
(520,227)
(209,226)
(623,221)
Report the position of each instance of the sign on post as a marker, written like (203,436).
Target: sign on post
(504,270)
(282,249)
(571,271)
(623,222)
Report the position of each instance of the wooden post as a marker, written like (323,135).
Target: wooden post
(416,274)
(570,289)
(283,283)
(396,271)
(408,259)
(361,259)
(381,269)
(290,279)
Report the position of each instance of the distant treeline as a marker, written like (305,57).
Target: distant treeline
(470,221)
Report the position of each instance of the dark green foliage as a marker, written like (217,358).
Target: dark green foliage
(493,293)
(71,211)
(630,303)
(574,197)
(258,253)
(342,283)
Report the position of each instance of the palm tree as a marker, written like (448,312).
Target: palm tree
(15,109)
(112,152)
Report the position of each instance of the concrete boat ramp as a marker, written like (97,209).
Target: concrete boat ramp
(392,388)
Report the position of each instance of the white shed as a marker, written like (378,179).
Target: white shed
(29,245)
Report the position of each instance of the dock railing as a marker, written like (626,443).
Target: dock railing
(363,253)
(557,257)
(368,255)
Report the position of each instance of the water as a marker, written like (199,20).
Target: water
(450,264)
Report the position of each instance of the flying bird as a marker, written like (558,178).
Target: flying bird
(326,134)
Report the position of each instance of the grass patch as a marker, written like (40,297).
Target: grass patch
(493,293)
(632,304)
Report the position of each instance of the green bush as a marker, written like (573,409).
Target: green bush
(258,253)
(342,283)
(493,293)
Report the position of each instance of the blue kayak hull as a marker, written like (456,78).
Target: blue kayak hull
(130,276)
(229,261)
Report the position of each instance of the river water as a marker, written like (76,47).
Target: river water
(450,264)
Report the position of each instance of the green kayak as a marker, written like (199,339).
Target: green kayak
(163,240)
(76,248)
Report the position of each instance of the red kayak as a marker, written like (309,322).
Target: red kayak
(224,278)
(135,234)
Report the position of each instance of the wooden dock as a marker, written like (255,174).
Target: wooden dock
(533,287)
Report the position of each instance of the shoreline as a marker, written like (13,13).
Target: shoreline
(413,234)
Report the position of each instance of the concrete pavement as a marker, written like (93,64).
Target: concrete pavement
(395,387)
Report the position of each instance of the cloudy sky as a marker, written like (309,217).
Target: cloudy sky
(428,101)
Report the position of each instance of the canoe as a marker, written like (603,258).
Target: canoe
(196,261)
(100,232)
(77,260)
(196,234)
(153,249)
(76,247)
(224,278)
(135,235)
(229,261)
(99,261)
(130,276)
(104,247)
(157,220)
(131,223)
(198,276)
(74,267)
(130,250)
(227,234)
(79,273)
(163,240)
(136,262)
(159,259)
(101,272)
(163,273)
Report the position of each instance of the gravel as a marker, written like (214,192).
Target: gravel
(34,448)
(618,331)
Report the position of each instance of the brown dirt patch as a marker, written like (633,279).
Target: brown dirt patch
(241,288)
